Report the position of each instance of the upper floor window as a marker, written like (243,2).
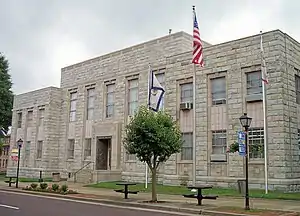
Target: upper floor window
(254,83)
(297,85)
(73,101)
(90,103)
(41,116)
(30,118)
(186,93)
(110,89)
(218,90)
(19,119)
(133,96)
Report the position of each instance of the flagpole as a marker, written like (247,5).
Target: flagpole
(148,104)
(194,117)
(265,112)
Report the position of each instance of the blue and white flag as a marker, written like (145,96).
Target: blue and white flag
(3,132)
(155,92)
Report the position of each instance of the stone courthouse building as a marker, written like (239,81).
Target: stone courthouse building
(80,125)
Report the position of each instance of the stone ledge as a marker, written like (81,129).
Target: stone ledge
(129,204)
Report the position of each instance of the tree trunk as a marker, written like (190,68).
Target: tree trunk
(154,194)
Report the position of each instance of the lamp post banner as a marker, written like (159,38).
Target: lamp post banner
(241,142)
(14,154)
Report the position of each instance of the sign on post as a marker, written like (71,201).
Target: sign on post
(14,154)
(241,142)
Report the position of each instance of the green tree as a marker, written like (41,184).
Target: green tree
(6,95)
(153,138)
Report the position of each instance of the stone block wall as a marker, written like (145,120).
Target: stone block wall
(49,99)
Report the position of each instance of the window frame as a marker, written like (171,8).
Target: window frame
(218,135)
(110,106)
(90,95)
(183,98)
(130,100)
(257,83)
(215,99)
(72,111)
(184,148)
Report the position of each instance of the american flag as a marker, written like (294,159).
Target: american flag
(264,74)
(197,43)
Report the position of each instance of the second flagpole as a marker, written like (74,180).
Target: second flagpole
(194,117)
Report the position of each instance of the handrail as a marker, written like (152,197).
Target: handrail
(82,167)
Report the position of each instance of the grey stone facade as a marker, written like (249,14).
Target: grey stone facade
(172,53)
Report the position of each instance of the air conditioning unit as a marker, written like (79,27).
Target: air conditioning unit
(186,106)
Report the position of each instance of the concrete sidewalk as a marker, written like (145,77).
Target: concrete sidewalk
(284,205)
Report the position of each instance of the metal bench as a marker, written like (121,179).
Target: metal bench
(10,181)
(199,195)
(125,191)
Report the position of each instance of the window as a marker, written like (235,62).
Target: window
(27,152)
(73,101)
(90,103)
(39,152)
(299,142)
(41,116)
(187,146)
(87,148)
(30,118)
(254,83)
(219,142)
(256,143)
(161,79)
(297,84)
(218,90)
(71,145)
(133,96)
(110,100)
(19,120)
(186,93)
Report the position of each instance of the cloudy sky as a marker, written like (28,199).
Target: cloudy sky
(39,37)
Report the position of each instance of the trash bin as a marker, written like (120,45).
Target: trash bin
(242,186)
(56,177)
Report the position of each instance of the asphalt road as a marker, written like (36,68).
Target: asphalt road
(12,204)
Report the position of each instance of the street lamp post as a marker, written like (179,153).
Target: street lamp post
(19,142)
(245,122)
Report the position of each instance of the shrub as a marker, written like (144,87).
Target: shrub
(55,187)
(64,188)
(43,186)
(33,185)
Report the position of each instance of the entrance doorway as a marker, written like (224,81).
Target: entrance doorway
(103,153)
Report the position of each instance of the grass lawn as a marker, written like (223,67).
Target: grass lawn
(34,179)
(3,178)
(221,192)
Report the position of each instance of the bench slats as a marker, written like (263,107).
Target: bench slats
(7,181)
(210,197)
(123,191)
(201,197)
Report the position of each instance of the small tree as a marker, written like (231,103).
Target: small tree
(153,138)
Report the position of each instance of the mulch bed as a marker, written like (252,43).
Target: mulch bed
(258,212)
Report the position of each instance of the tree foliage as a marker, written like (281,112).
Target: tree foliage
(6,95)
(153,138)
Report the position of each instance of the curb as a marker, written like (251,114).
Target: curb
(129,204)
